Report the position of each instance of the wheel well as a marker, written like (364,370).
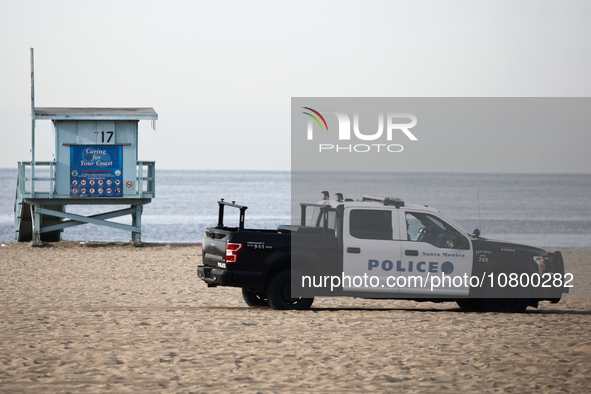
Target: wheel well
(278,266)
(285,264)
(518,266)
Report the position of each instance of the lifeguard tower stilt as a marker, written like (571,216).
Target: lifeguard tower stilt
(96,163)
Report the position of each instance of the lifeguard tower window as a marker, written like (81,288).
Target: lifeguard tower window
(96,162)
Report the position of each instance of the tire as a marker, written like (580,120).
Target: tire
(508,300)
(279,294)
(470,304)
(506,305)
(254,298)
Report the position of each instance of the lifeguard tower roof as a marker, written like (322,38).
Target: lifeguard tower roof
(54,113)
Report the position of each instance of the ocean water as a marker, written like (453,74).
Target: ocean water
(185,204)
(545,210)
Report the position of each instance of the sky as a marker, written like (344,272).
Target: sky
(221,74)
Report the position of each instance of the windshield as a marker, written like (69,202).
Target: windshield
(455,224)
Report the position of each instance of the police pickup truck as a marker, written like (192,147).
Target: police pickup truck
(377,247)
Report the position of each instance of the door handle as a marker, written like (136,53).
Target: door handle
(353,250)
(411,252)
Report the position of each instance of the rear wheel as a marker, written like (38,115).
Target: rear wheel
(253,298)
(279,294)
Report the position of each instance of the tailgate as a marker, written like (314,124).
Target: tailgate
(214,247)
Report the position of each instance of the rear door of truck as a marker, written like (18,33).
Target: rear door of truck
(370,250)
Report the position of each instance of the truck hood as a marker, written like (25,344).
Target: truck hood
(486,244)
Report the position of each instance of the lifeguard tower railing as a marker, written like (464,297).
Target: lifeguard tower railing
(40,212)
(145,179)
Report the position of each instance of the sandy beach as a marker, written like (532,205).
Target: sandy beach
(107,317)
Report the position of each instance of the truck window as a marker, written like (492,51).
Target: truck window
(422,227)
(370,224)
(316,219)
(332,220)
(313,218)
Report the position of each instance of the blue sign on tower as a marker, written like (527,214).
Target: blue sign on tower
(96,171)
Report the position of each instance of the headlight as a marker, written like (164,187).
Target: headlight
(540,262)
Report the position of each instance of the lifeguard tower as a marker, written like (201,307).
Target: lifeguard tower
(96,163)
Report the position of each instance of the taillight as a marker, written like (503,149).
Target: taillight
(232,250)
(541,264)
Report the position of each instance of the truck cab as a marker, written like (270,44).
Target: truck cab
(394,242)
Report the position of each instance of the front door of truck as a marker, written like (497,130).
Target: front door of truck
(436,257)
(370,250)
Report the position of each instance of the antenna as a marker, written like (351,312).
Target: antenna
(478,197)
(32,123)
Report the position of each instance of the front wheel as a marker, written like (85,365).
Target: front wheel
(279,294)
(254,298)
(469,304)
(508,305)
(507,299)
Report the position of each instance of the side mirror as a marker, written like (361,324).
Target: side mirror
(476,233)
